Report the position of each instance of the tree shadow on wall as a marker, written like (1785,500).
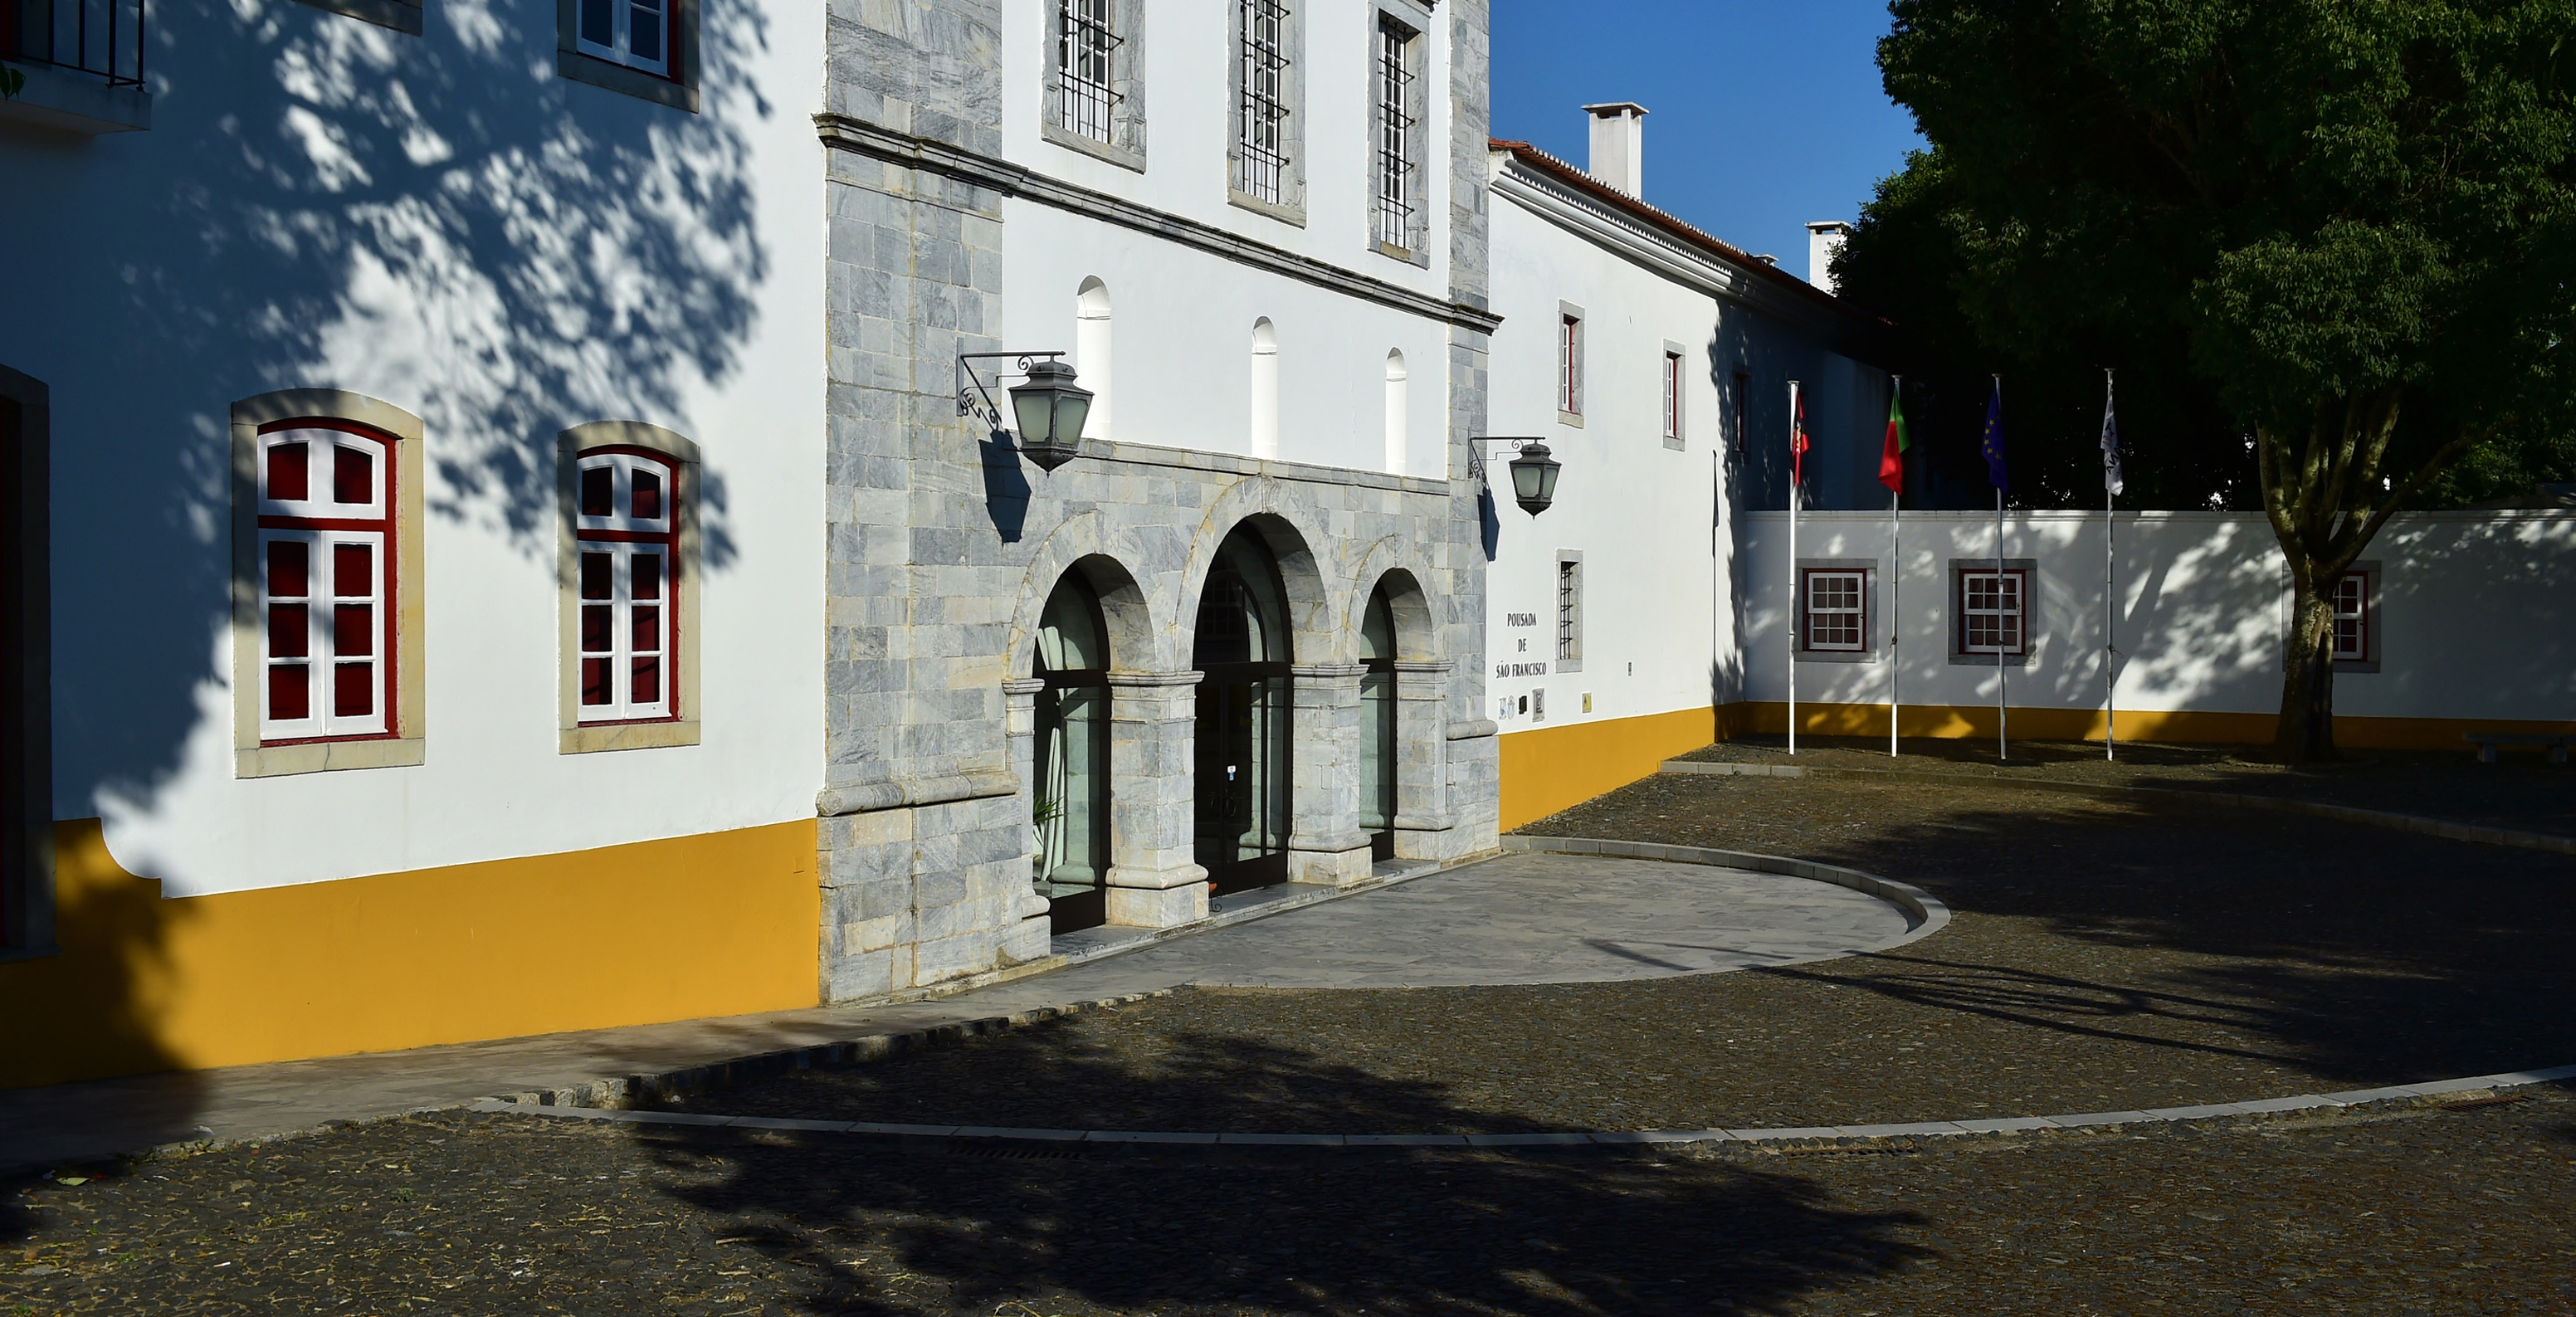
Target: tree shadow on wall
(926,1230)
(437,221)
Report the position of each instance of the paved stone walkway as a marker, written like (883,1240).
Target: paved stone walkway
(1531,919)
(1518,919)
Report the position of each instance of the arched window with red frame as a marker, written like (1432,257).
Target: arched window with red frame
(327,566)
(627,574)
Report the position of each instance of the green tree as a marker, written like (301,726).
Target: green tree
(2352,223)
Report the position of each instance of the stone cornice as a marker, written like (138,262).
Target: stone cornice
(841,132)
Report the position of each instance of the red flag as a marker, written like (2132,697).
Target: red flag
(1891,458)
(1798,445)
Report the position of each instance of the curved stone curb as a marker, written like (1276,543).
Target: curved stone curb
(618,1092)
(2377,818)
(1925,912)
(992,1134)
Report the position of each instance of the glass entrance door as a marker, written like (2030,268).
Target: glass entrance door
(1243,733)
(1377,726)
(1070,800)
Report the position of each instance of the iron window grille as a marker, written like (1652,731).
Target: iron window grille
(1261,136)
(1569,610)
(1836,620)
(1994,612)
(1085,55)
(1672,395)
(1569,364)
(103,38)
(1395,136)
(2352,618)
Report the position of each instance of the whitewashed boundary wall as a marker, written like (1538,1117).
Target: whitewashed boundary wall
(2475,616)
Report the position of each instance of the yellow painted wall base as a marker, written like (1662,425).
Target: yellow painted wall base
(720,924)
(1546,769)
(2176,727)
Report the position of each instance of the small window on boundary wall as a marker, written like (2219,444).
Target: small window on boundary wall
(1990,611)
(26,735)
(645,48)
(326,568)
(629,576)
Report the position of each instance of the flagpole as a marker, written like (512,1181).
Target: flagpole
(1895,573)
(1794,601)
(2003,714)
(2110,589)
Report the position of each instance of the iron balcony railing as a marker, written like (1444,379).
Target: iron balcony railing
(102,38)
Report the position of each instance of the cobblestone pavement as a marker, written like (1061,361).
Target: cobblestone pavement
(2415,1212)
(2523,790)
(2101,954)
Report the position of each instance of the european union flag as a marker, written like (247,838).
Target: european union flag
(1993,447)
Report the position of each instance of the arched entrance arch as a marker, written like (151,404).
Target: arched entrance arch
(1244,810)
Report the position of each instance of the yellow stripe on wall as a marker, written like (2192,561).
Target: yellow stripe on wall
(2173,726)
(720,924)
(1546,769)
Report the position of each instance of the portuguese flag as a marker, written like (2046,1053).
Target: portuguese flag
(1891,458)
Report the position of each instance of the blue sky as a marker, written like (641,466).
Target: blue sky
(1763,114)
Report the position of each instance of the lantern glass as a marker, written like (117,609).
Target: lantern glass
(1534,474)
(1049,406)
(1035,407)
(1072,408)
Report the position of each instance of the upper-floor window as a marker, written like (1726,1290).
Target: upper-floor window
(1672,385)
(628,526)
(635,33)
(326,561)
(1086,45)
(1569,364)
(1736,423)
(1394,206)
(643,48)
(1261,129)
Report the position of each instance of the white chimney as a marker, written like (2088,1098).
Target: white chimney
(1824,238)
(1619,146)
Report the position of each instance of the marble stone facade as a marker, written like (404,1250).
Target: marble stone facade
(944,547)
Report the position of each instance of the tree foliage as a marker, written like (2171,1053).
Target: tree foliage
(2348,227)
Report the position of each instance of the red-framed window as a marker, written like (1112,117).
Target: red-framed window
(1994,611)
(626,527)
(1836,601)
(2352,618)
(326,582)
(1743,398)
(1672,395)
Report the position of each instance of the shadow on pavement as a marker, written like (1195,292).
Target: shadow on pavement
(2357,955)
(922,1230)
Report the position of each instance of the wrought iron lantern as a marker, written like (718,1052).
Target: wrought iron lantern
(1534,471)
(1049,406)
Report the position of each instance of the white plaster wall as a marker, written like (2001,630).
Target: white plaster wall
(1181,345)
(1189,113)
(2476,621)
(440,222)
(1644,516)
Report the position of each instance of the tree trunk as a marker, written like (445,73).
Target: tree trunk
(2306,731)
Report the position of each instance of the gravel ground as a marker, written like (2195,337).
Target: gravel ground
(2418,1211)
(2103,955)
(2523,790)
